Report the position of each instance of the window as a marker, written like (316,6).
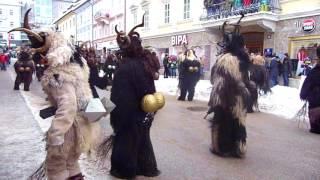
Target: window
(146,18)
(0,23)
(37,11)
(1,36)
(167,13)
(11,24)
(11,12)
(0,11)
(11,36)
(186,9)
(134,17)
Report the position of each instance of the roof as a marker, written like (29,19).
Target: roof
(70,9)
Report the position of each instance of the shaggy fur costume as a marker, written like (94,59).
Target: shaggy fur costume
(227,101)
(259,85)
(24,69)
(66,83)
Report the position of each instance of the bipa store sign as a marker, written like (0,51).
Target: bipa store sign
(179,40)
(308,25)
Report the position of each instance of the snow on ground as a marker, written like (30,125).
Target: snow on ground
(283,101)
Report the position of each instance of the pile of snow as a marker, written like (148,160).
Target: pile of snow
(283,101)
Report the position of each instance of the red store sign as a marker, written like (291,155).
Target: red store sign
(309,25)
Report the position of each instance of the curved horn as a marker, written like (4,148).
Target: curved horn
(43,48)
(29,32)
(26,20)
(242,16)
(116,29)
(139,25)
(223,27)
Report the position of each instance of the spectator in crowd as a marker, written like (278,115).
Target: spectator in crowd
(310,92)
(103,57)
(3,61)
(165,65)
(172,65)
(274,70)
(286,69)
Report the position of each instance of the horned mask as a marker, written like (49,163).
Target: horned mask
(49,44)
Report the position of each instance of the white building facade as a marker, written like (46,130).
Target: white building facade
(10,17)
(84,19)
(107,14)
(60,6)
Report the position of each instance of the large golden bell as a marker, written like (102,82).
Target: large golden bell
(160,99)
(149,103)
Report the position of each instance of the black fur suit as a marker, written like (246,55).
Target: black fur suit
(259,84)
(229,95)
(24,68)
(190,72)
(132,152)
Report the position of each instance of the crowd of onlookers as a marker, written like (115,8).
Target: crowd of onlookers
(171,65)
(280,67)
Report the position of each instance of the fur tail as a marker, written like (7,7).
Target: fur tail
(39,174)
(104,150)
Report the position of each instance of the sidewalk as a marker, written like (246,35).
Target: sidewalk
(21,145)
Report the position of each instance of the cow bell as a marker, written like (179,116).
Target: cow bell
(160,99)
(149,103)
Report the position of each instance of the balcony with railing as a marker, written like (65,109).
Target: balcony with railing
(102,18)
(221,9)
(258,12)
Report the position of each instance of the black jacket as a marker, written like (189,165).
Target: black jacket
(310,90)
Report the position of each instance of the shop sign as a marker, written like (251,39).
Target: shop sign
(178,40)
(308,25)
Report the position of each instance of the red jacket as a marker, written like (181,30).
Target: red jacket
(3,58)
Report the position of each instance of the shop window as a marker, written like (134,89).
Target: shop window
(11,24)
(167,13)
(11,12)
(11,36)
(186,9)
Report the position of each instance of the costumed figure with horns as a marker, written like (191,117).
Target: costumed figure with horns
(24,69)
(229,78)
(190,75)
(259,82)
(65,81)
(134,94)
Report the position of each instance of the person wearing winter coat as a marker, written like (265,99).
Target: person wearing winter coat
(274,70)
(310,92)
(286,69)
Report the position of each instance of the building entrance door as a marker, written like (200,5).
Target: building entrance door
(254,41)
